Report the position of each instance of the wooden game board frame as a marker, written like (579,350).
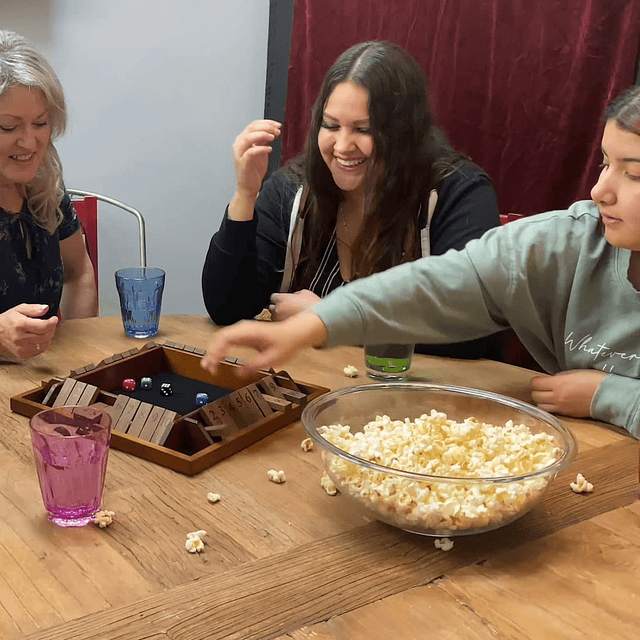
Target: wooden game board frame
(94,385)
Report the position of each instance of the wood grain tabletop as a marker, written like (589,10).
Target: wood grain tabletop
(290,562)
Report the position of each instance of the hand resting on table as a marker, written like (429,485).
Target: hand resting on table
(23,333)
(569,392)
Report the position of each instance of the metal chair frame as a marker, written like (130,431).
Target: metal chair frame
(116,203)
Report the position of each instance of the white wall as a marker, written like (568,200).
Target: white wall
(157,91)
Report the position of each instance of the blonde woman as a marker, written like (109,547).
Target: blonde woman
(45,270)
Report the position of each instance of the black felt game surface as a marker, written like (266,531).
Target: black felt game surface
(183,400)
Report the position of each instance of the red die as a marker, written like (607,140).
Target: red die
(129,384)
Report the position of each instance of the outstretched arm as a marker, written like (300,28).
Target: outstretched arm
(276,343)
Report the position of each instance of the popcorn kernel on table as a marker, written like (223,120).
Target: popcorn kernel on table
(194,543)
(307,444)
(213,497)
(350,371)
(446,544)
(196,534)
(103,518)
(276,476)
(581,485)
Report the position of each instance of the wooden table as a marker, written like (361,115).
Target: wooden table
(289,561)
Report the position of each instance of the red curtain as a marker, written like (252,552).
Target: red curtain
(518,86)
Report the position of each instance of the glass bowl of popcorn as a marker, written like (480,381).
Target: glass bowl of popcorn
(434,459)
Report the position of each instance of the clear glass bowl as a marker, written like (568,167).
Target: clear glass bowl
(435,505)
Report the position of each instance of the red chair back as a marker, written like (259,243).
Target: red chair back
(509,217)
(87,210)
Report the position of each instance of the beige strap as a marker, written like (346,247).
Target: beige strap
(294,243)
(425,232)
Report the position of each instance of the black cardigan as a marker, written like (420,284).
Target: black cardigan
(245,260)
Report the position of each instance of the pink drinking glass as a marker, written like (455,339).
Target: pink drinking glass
(71,447)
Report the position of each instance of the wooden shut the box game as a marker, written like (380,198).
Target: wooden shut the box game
(171,428)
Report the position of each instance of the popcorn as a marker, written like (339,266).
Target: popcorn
(307,444)
(196,534)
(194,545)
(434,445)
(103,518)
(581,485)
(446,544)
(194,542)
(327,484)
(350,371)
(213,497)
(276,476)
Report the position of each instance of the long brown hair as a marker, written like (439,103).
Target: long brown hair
(411,158)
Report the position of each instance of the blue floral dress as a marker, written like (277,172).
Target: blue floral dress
(31,267)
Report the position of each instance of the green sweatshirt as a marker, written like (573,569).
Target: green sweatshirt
(552,277)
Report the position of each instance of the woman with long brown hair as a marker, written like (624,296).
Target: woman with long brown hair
(567,282)
(377,185)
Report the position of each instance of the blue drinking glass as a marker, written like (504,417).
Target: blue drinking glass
(140,290)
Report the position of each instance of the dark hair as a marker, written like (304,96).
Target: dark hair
(411,158)
(625,110)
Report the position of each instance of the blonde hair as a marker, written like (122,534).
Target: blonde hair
(22,65)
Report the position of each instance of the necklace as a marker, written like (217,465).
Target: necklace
(344,219)
(349,236)
(346,235)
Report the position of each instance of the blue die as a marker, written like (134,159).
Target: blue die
(201,399)
(145,383)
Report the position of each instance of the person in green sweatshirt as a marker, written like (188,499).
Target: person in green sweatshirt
(567,282)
